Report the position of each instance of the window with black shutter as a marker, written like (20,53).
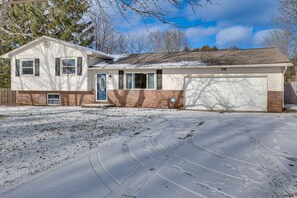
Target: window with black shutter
(17,67)
(57,66)
(37,66)
(121,79)
(159,79)
(79,66)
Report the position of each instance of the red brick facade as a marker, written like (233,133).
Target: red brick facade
(275,101)
(145,98)
(68,98)
(129,98)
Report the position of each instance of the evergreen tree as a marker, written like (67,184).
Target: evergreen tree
(61,19)
(206,48)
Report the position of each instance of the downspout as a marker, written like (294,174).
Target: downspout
(284,72)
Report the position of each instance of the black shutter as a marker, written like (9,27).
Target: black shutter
(37,66)
(159,79)
(17,67)
(121,79)
(57,66)
(79,66)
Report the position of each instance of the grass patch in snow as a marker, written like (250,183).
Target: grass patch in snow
(3,117)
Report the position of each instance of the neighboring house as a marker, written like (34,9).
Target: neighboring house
(48,71)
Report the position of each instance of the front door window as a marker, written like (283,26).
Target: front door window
(101,87)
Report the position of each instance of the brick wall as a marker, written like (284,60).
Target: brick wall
(275,101)
(129,98)
(145,98)
(39,98)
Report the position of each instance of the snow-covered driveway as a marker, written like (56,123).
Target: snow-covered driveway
(183,154)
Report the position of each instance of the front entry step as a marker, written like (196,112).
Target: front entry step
(97,105)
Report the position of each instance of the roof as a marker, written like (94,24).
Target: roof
(88,51)
(256,57)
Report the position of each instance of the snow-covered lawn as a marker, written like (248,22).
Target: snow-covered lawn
(171,154)
(33,139)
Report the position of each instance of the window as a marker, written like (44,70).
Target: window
(68,66)
(53,99)
(140,81)
(27,67)
(129,80)
(121,79)
(150,81)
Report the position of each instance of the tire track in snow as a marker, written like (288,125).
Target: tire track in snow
(143,174)
(168,153)
(177,187)
(133,185)
(281,184)
(199,147)
(101,172)
(192,165)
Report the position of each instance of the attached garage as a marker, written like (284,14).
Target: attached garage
(226,93)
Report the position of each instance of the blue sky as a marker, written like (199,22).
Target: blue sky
(241,23)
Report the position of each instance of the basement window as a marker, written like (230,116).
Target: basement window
(53,99)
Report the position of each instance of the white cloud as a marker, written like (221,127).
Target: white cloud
(234,36)
(260,36)
(199,32)
(229,10)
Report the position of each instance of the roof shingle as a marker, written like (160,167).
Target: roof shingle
(226,57)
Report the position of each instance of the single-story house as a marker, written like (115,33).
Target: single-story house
(49,71)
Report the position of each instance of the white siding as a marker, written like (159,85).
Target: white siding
(47,81)
(173,79)
(112,78)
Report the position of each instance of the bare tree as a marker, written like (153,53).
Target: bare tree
(157,41)
(136,42)
(104,32)
(284,42)
(170,41)
(279,39)
(147,8)
(288,17)
(121,44)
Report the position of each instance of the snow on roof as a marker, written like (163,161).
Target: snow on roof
(117,57)
(106,65)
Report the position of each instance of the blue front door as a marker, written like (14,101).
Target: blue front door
(101,87)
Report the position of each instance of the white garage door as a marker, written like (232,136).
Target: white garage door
(231,94)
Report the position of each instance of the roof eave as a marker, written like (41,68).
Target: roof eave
(9,55)
(101,55)
(189,67)
(5,56)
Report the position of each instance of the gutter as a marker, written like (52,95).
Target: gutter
(116,67)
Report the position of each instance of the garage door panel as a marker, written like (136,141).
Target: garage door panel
(237,94)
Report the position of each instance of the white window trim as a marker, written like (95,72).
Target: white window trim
(54,99)
(133,81)
(21,67)
(75,61)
